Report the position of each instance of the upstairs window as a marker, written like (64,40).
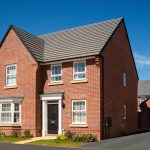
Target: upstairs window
(124,79)
(10,75)
(56,73)
(79,70)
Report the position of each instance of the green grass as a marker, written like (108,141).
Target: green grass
(59,143)
(9,139)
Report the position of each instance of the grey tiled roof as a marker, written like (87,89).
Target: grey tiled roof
(33,43)
(78,42)
(144,88)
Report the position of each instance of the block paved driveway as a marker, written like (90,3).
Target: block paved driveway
(132,142)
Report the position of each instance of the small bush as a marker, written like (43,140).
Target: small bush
(2,134)
(14,133)
(27,134)
(77,138)
(61,137)
(80,137)
(69,134)
(89,138)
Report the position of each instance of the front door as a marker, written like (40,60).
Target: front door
(52,118)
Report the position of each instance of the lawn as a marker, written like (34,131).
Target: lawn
(59,143)
(9,139)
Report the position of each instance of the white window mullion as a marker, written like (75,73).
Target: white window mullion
(0,111)
(12,112)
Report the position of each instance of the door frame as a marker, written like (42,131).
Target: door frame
(45,101)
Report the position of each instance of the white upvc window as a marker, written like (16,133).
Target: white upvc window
(79,70)
(11,72)
(56,73)
(79,112)
(124,79)
(10,113)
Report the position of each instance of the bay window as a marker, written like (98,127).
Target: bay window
(9,113)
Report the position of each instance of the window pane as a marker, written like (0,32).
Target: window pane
(79,105)
(16,117)
(6,107)
(16,108)
(6,117)
(79,117)
(79,67)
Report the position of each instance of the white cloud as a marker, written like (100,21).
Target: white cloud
(141,60)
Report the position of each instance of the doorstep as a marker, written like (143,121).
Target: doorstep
(51,137)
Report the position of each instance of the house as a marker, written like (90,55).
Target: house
(144,105)
(82,79)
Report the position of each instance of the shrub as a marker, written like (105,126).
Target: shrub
(2,134)
(14,133)
(77,138)
(69,134)
(89,138)
(27,133)
(61,137)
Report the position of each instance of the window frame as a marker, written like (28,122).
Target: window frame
(79,123)
(55,75)
(76,62)
(12,112)
(7,66)
(124,79)
(125,112)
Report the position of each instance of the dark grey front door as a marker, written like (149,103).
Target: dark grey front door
(52,110)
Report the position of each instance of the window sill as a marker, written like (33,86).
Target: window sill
(78,125)
(10,125)
(55,83)
(79,81)
(10,87)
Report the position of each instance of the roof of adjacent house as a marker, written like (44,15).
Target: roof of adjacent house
(82,41)
(144,88)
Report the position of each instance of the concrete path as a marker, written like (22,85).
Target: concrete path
(36,139)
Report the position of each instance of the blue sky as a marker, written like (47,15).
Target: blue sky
(45,16)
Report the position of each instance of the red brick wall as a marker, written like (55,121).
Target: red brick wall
(144,115)
(118,59)
(89,91)
(14,52)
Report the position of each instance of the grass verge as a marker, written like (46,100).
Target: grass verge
(9,139)
(59,143)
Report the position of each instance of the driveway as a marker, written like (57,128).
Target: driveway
(132,142)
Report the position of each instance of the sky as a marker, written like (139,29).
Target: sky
(45,16)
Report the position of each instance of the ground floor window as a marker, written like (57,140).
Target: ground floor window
(10,113)
(79,112)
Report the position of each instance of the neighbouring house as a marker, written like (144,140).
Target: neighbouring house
(82,79)
(144,105)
